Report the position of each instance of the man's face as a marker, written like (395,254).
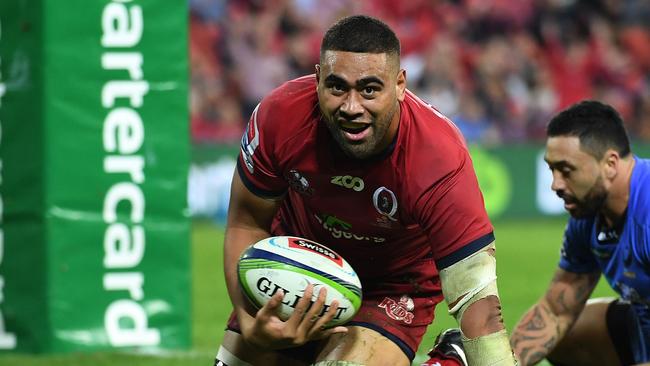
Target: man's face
(359,96)
(577,176)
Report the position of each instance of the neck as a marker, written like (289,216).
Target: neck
(619,193)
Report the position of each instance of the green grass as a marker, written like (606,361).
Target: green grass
(527,255)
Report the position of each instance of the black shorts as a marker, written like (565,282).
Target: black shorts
(626,333)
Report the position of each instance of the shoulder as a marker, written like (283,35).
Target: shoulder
(433,146)
(578,231)
(289,104)
(432,132)
(293,106)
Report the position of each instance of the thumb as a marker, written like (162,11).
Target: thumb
(336,330)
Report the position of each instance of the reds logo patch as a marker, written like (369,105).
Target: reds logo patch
(385,202)
(316,248)
(401,310)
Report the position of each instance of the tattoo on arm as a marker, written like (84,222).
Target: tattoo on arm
(539,331)
(535,335)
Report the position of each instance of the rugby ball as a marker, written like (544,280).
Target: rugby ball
(291,263)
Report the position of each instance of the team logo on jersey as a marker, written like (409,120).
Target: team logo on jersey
(347,181)
(250,141)
(401,310)
(333,221)
(298,182)
(385,202)
(340,229)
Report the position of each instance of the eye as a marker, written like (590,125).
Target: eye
(565,171)
(369,91)
(337,89)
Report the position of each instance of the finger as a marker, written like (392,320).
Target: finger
(301,307)
(320,330)
(328,332)
(313,315)
(272,306)
(320,327)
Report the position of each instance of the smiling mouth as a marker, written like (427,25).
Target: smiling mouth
(354,129)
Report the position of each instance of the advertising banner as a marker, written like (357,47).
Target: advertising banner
(95,160)
(515,180)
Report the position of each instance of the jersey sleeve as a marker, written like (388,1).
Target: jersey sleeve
(256,163)
(452,213)
(576,255)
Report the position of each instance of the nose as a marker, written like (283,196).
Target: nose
(558,182)
(351,106)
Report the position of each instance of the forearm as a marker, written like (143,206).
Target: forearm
(249,220)
(538,333)
(470,288)
(544,325)
(237,238)
(484,336)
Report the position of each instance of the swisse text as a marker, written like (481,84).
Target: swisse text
(316,248)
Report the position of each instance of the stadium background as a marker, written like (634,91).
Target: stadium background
(498,68)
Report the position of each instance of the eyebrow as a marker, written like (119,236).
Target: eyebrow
(558,164)
(361,82)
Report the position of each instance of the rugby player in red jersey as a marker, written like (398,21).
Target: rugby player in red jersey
(350,158)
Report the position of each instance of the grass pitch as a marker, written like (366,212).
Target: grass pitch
(527,255)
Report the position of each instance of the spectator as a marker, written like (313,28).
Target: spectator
(520,60)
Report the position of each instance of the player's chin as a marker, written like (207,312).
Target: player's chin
(356,149)
(580,213)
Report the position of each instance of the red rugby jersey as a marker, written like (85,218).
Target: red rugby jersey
(418,201)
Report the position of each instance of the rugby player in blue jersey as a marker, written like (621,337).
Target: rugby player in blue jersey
(606,189)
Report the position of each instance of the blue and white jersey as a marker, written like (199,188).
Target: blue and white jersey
(623,257)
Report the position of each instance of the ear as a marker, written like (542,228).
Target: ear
(400,86)
(317,70)
(611,162)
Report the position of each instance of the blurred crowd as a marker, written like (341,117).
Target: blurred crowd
(498,68)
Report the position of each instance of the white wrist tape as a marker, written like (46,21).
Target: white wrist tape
(464,283)
(489,350)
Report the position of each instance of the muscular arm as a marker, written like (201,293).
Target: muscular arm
(483,317)
(249,220)
(544,325)
(470,289)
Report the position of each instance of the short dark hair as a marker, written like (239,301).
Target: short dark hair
(360,33)
(598,126)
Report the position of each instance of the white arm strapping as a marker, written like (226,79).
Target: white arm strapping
(464,283)
(489,350)
(464,280)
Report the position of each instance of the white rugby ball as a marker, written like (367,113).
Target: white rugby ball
(291,263)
